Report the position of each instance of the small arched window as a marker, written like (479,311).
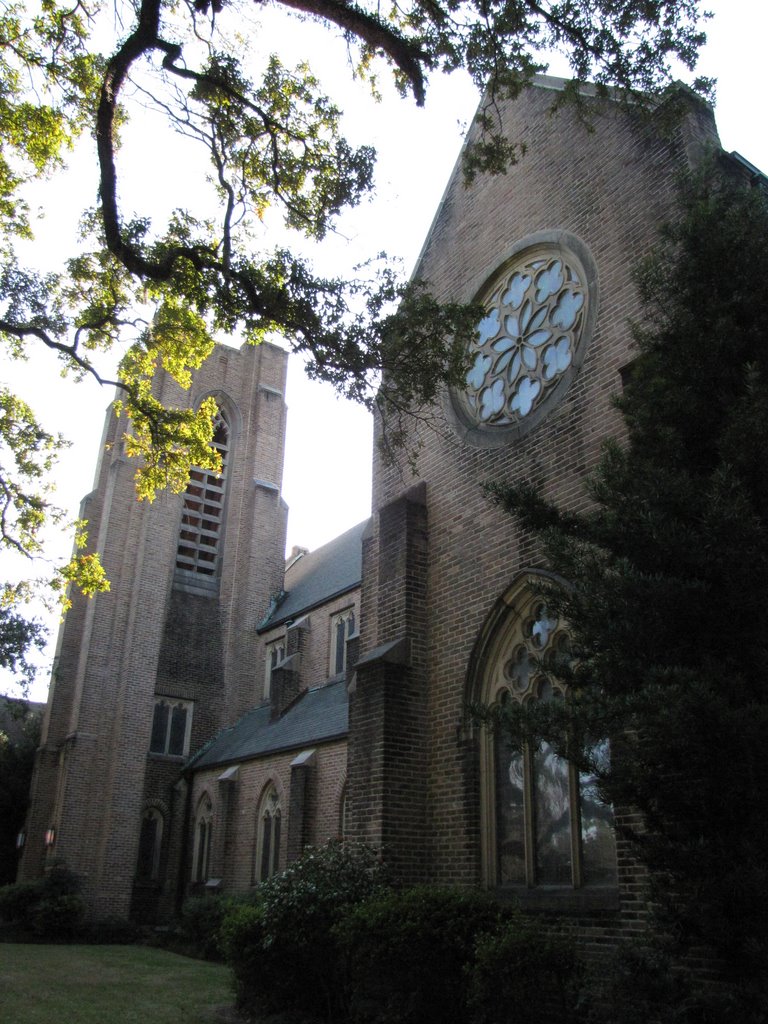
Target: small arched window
(342,628)
(202,517)
(203,837)
(267,853)
(150,845)
(343,805)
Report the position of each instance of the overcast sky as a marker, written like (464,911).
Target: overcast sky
(417,150)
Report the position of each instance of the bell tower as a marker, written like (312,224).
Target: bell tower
(147,673)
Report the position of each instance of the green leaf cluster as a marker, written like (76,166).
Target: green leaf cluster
(157,295)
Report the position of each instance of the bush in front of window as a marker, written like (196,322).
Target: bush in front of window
(523,973)
(198,932)
(283,948)
(408,953)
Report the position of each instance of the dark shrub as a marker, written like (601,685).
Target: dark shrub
(198,928)
(642,984)
(17,901)
(283,949)
(407,953)
(58,917)
(50,907)
(523,974)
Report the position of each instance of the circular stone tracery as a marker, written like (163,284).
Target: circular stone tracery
(529,342)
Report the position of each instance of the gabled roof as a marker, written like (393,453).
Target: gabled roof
(317,716)
(321,575)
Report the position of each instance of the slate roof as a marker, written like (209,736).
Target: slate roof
(317,716)
(320,575)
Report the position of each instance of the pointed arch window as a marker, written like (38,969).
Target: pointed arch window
(202,517)
(203,838)
(150,845)
(343,819)
(267,854)
(275,654)
(544,822)
(342,628)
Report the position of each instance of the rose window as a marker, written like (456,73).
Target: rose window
(529,342)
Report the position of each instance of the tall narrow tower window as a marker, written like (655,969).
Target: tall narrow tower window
(203,515)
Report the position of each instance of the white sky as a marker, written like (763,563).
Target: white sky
(417,149)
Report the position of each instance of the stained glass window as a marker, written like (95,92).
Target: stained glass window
(529,341)
(551,827)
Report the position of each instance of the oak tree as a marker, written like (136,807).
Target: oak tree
(160,293)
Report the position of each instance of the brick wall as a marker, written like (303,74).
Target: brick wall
(610,188)
(118,650)
(310,796)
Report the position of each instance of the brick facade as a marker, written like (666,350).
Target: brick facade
(608,189)
(154,634)
(406,773)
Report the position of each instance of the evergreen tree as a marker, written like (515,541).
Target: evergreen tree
(668,594)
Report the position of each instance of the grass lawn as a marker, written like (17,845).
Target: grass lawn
(108,985)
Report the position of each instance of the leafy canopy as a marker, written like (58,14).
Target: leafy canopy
(158,294)
(668,584)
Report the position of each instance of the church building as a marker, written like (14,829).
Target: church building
(221,708)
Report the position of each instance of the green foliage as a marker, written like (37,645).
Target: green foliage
(49,908)
(197,931)
(19,737)
(58,917)
(523,973)
(17,900)
(273,143)
(669,570)
(283,948)
(408,954)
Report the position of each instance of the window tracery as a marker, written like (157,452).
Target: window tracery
(545,824)
(203,833)
(267,854)
(539,310)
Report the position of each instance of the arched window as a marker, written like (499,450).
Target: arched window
(342,628)
(267,853)
(343,805)
(275,654)
(202,517)
(150,845)
(543,821)
(203,836)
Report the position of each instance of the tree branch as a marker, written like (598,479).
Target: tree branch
(406,55)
